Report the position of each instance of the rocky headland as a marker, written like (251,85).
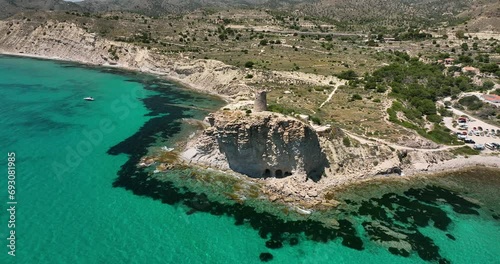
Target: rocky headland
(259,145)
(292,160)
(296,162)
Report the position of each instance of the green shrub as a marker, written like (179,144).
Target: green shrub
(381,89)
(316,120)
(442,135)
(434,118)
(348,75)
(356,97)
(279,109)
(465,150)
(488,85)
(445,112)
(249,64)
(346,141)
(471,102)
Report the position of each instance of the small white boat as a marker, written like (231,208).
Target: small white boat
(88,98)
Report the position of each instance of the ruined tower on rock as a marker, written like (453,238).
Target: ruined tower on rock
(260,103)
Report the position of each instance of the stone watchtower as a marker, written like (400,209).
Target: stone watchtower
(260,103)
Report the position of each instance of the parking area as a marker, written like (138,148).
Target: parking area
(473,131)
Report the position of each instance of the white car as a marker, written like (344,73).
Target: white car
(479,146)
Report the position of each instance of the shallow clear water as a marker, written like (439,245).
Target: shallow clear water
(73,158)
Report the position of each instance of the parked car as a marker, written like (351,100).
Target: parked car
(469,141)
(462,137)
(478,146)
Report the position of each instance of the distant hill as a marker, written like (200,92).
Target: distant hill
(357,11)
(392,13)
(483,17)
(11,7)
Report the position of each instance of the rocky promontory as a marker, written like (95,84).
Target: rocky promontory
(259,145)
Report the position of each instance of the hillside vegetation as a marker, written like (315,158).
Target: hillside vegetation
(346,14)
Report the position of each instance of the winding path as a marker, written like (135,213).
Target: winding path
(330,96)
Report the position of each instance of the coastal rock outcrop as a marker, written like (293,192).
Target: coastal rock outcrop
(260,145)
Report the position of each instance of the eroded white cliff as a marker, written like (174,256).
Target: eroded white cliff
(260,145)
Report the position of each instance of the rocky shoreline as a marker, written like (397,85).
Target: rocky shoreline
(346,164)
(66,41)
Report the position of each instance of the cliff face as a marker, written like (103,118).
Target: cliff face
(67,41)
(260,145)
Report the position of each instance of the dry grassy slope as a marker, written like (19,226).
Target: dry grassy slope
(392,13)
(11,7)
(344,10)
(361,9)
(483,17)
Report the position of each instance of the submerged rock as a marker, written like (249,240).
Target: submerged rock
(265,257)
(274,244)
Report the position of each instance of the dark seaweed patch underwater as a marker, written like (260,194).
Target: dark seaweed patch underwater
(392,219)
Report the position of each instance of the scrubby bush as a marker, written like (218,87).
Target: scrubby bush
(356,97)
(471,102)
(434,118)
(348,75)
(279,109)
(316,120)
(249,64)
(346,141)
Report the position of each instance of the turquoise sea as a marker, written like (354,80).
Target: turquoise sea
(79,199)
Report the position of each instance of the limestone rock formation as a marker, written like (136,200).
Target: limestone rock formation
(67,41)
(260,145)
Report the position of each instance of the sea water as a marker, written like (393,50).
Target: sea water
(77,201)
